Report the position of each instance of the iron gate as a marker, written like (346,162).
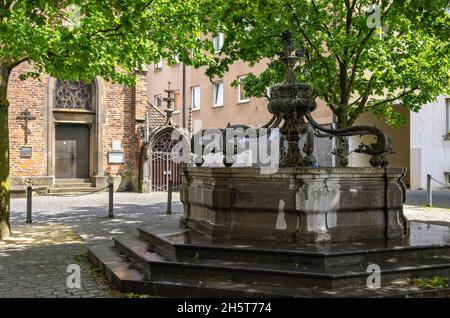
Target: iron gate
(163,169)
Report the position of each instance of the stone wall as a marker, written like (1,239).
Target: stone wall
(294,204)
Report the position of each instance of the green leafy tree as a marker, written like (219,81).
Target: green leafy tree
(362,55)
(78,40)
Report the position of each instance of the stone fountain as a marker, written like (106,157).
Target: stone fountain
(298,231)
(297,203)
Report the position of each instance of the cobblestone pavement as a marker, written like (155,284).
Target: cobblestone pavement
(34,262)
(416,209)
(425,214)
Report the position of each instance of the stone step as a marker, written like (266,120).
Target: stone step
(17,192)
(127,279)
(72,190)
(72,185)
(155,266)
(73,180)
(186,245)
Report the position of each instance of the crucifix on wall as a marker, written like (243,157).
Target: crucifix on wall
(26,116)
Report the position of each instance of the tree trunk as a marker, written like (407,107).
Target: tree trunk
(5,183)
(342,143)
(342,152)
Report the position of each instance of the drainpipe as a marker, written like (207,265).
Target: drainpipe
(184,94)
(386,207)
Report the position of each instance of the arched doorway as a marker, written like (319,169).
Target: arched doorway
(163,161)
(75,129)
(72,141)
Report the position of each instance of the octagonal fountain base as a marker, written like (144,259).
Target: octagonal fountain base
(162,260)
(294,233)
(294,204)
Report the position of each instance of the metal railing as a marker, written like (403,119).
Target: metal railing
(430,188)
(110,188)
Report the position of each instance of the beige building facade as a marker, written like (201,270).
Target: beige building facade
(422,145)
(214,102)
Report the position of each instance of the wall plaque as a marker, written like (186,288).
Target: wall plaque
(116,145)
(26,152)
(116,157)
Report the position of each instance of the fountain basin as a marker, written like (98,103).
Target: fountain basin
(303,205)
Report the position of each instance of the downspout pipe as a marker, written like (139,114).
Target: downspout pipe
(184,93)
(386,207)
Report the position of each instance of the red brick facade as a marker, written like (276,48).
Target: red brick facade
(30,94)
(120,125)
(121,111)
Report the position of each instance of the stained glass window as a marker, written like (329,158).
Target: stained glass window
(73,95)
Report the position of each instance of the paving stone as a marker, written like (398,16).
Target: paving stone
(34,263)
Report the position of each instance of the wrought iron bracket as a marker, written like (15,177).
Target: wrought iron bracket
(379,150)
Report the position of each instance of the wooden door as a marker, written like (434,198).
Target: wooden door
(72,151)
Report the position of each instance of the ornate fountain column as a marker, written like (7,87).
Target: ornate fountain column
(297,203)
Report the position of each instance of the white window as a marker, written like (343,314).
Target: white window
(177,103)
(158,101)
(218,42)
(176,59)
(218,94)
(242,97)
(159,65)
(196,97)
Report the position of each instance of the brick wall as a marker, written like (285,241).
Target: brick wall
(121,105)
(140,96)
(121,125)
(30,94)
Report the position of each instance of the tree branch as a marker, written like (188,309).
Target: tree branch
(343,66)
(325,27)
(117,27)
(319,55)
(393,99)
(12,65)
(9,5)
(364,97)
(327,30)
(361,48)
